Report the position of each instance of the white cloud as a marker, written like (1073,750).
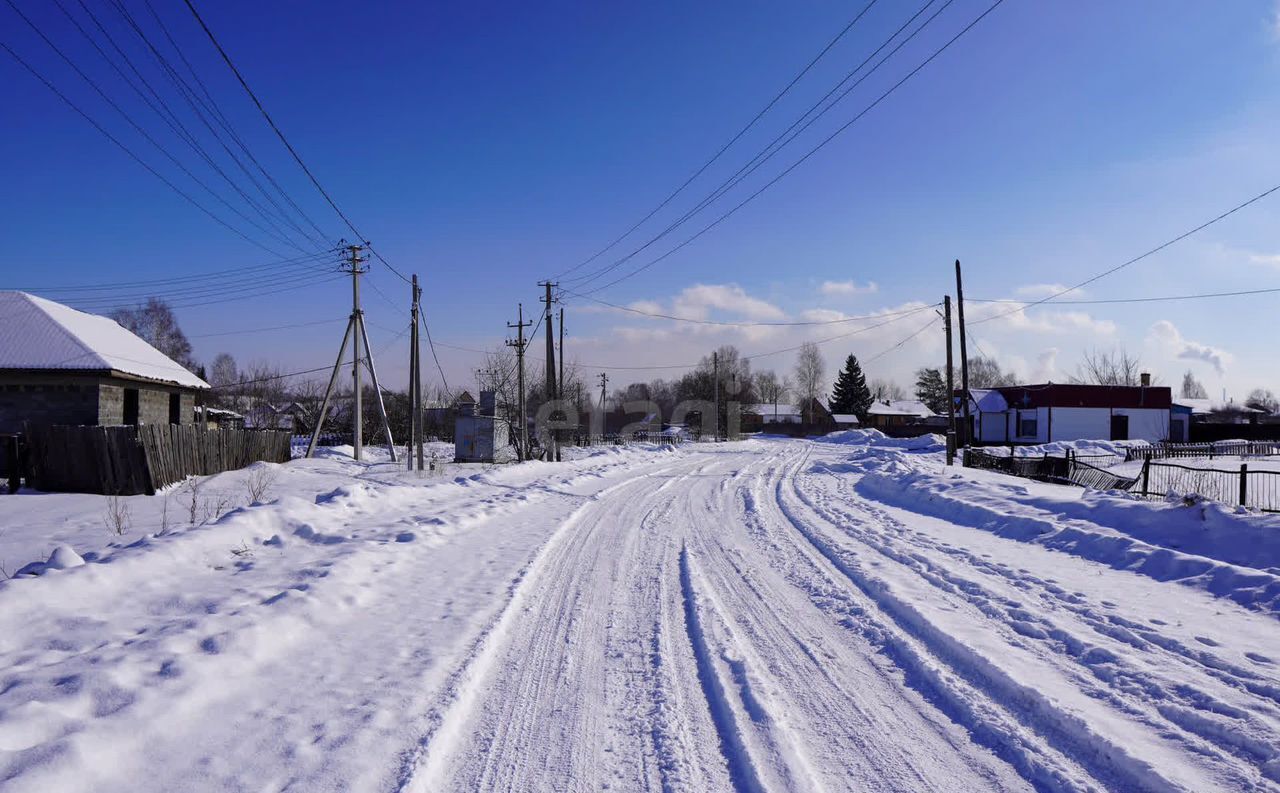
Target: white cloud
(1037,291)
(848,288)
(697,301)
(1167,336)
(1266,259)
(647,306)
(1044,321)
(1046,366)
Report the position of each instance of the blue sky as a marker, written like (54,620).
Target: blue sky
(487,146)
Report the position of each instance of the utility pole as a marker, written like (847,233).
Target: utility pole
(415,383)
(519,344)
(715,377)
(553,448)
(560,389)
(604,384)
(951,389)
(964,355)
(358,336)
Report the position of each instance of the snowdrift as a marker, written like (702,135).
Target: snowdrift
(924,443)
(1226,551)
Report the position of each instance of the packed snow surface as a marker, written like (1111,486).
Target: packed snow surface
(770,615)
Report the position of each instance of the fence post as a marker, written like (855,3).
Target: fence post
(1244,484)
(1146,474)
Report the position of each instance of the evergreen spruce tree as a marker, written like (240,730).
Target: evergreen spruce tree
(931,389)
(851,394)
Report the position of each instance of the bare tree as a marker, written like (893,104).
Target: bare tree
(986,373)
(1193,388)
(223,372)
(1109,367)
(156,324)
(771,389)
(1262,399)
(885,390)
(810,373)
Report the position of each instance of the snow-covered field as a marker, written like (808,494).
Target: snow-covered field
(772,615)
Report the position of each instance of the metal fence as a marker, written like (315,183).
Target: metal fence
(1164,451)
(618,439)
(1257,489)
(1067,469)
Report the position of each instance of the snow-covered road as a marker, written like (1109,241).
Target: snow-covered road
(736,617)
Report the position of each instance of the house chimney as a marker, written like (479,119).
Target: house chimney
(1146,379)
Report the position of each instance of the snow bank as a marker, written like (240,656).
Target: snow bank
(924,443)
(1229,552)
(1060,448)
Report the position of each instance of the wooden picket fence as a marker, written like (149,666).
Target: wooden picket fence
(128,460)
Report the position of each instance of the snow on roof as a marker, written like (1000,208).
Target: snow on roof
(988,400)
(770,410)
(900,407)
(1203,407)
(40,334)
(844,418)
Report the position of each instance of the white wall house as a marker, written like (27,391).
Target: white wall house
(1031,414)
(775,414)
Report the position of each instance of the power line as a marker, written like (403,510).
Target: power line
(297,158)
(796,323)
(146,135)
(822,144)
(885,352)
(319,256)
(1136,259)
(188,96)
(726,146)
(186,196)
(754,356)
(269,328)
(195,292)
(1109,301)
(773,147)
(225,123)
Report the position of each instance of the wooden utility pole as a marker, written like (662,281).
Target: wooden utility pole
(553,451)
(523,431)
(951,389)
(604,384)
(964,356)
(357,335)
(415,383)
(560,387)
(715,378)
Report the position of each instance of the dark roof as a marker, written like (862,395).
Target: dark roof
(1065,395)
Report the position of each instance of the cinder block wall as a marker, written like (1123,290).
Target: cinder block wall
(110,405)
(153,406)
(46,403)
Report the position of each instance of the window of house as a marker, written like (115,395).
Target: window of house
(175,408)
(1028,424)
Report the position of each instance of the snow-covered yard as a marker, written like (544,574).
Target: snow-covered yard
(846,614)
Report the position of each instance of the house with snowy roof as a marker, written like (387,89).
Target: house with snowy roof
(888,413)
(1048,412)
(63,366)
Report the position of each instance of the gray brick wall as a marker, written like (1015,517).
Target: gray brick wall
(68,399)
(46,403)
(110,405)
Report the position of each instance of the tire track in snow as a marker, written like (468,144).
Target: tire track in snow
(1068,732)
(995,709)
(1212,726)
(424,767)
(742,773)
